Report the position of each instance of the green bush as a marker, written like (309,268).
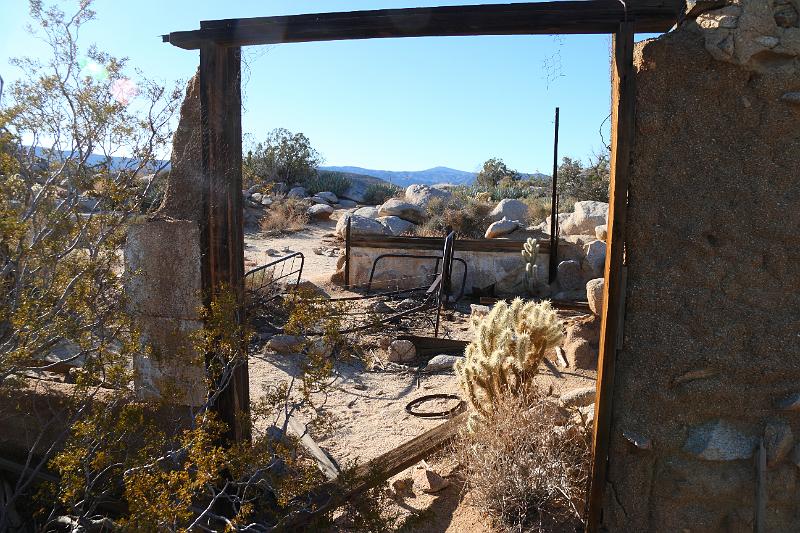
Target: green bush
(334,182)
(377,193)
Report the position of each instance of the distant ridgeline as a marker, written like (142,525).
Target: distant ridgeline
(426,177)
(400,178)
(44,156)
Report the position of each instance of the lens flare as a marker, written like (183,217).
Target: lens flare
(124,90)
(92,69)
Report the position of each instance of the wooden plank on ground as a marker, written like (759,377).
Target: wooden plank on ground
(434,345)
(622,132)
(328,468)
(332,495)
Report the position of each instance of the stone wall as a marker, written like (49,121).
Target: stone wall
(504,270)
(710,361)
(163,272)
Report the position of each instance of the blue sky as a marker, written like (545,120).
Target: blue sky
(396,104)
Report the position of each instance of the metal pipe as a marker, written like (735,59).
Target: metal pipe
(554,209)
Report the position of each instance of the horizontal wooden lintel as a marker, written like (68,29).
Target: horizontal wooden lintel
(530,18)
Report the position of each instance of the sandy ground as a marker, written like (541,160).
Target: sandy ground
(366,407)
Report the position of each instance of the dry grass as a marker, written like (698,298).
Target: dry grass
(468,218)
(527,466)
(285,215)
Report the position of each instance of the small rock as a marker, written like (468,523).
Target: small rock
(396,225)
(297,192)
(403,486)
(601,232)
(588,414)
(638,441)
(693,375)
(778,439)
(266,201)
(286,344)
(320,211)
(510,209)
(587,215)
(790,403)
(319,200)
(380,307)
(768,41)
(328,197)
(581,354)
(272,252)
(319,347)
(360,226)
(596,257)
(367,212)
(579,397)
(405,210)
(422,195)
(441,362)
(569,275)
(256,197)
(594,294)
(717,440)
(402,351)
(792,98)
(407,304)
(500,228)
(346,204)
(477,310)
(429,481)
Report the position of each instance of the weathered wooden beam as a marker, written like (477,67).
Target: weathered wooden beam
(221,231)
(331,495)
(623,92)
(436,243)
(543,18)
(328,468)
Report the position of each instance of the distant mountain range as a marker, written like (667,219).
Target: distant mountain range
(430,176)
(401,178)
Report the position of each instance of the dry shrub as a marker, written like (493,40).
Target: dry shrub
(468,218)
(527,467)
(285,215)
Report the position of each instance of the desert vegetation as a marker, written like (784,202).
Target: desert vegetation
(525,457)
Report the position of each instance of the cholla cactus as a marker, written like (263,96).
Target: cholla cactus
(509,344)
(530,252)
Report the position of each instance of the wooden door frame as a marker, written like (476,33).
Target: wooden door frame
(220,44)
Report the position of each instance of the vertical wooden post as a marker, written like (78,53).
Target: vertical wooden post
(221,232)
(622,131)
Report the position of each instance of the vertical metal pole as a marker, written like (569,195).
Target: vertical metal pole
(554,209)
(347,254)
(761,488)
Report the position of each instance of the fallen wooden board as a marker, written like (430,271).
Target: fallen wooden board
(328,468)
(435,345)
(331,495)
